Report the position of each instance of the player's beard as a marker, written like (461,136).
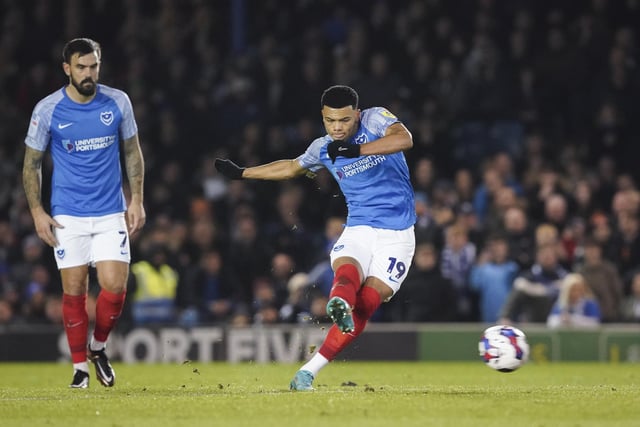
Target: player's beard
(87,87)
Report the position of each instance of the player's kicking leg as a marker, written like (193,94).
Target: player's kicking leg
(340,312)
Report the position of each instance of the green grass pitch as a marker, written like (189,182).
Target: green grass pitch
(389,394)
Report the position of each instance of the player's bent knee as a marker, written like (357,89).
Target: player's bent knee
(113,275)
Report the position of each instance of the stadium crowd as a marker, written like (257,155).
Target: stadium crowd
(523,115)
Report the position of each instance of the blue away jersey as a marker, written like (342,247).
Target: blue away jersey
(377,188)
(84,140)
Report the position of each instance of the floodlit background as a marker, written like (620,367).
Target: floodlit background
(524,114)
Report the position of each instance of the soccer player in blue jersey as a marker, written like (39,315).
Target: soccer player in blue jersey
(83,125)
(363,150)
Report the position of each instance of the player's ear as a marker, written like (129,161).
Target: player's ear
(66,68)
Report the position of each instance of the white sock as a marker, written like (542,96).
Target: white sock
(97,345)
(82,366)
(316,363)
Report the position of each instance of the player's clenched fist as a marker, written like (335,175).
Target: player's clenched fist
(343,149)
(229,169)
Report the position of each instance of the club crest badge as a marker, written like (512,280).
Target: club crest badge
(106,117)
(60,253)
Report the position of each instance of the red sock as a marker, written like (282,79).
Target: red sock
(346,283)
(76,325)
(367,302)
(108,309)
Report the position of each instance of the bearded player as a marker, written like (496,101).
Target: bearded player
(84,125)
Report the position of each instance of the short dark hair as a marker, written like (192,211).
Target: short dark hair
(83,46)
(339,96)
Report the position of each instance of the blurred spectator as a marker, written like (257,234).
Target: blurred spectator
(30,281)
(625,242)
(297,308)
(213,185)
(547,184)
(426,295)
(535,290)
(318,307)
(548,235)
(53,309)
(443,203)
(321,274)
(458,256)
(572,239)
(630,308)
(32,254)
(426,228)
(520,236)
(35,295)
(423,175)
(503,162)
(485,193)
(625,202)
(467,218)
(504,199)
(153,287)
(9,293)
(575,307)
(247,257)
(583,203)
(381,85)
(556,211)
(464,184)
(265,305)
(283,267)
(206,289)
(492,277)
(6,313)
(603,279)
(287,231)
(602,232)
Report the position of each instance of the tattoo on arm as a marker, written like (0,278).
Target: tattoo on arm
(134,164)
(32,177)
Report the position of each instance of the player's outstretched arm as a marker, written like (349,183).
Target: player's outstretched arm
(134,164)
(32,183)
(274,171)
(397,138)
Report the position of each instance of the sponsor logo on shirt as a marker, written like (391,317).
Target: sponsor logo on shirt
(360,166)
(386,113)
(89,144)
(67,144)
(33,126)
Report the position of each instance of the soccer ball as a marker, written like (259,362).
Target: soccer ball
(503,348)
